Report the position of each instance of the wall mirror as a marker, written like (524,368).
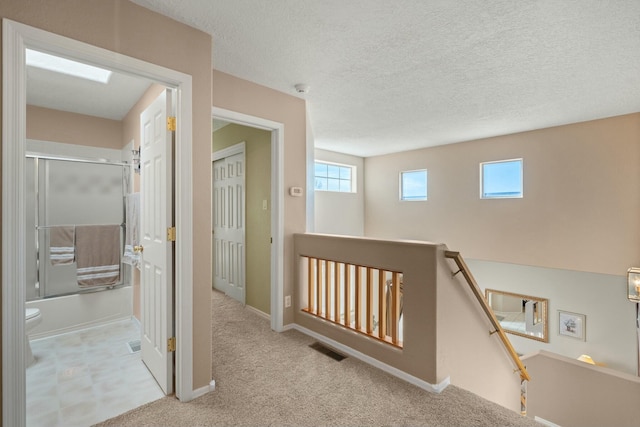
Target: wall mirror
(521,315)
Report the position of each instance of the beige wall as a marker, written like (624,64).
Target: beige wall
(573,234)
(417,261)
(340,213)
(579,212)
(45,124)
(242,96)
(258,220)
(571,393)
(474,359)
(126,28)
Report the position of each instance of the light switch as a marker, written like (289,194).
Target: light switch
(264,205)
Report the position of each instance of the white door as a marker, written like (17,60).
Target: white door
(156,276)
(228,226)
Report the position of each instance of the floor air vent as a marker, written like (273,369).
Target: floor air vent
(134,346)
(328,351)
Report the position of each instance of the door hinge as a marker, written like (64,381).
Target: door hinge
(171,234)
(171,123)
(171,344)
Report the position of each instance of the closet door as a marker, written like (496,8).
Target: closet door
(229,226)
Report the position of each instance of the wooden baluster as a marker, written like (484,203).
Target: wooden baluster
(333,282)
(523,397)
(358,297)
(395,308)
(336,293)
(327,289)
(310,284)
(347,295)
(382,305)
(319,287)
(369,300)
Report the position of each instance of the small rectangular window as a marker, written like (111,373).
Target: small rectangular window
(501,180)
(413,185)
(334,177)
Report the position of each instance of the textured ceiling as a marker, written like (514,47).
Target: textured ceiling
(390,76)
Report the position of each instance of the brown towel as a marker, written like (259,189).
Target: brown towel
(98,255)
(61,249)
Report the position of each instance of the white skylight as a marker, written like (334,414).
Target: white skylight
(67,66)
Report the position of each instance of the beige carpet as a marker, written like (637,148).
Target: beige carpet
(268,379)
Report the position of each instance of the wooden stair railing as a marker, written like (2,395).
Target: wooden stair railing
(524,375)
(352,295)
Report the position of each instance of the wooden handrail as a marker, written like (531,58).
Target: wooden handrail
(464,269)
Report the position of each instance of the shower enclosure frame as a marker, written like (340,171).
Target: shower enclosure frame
(126,188)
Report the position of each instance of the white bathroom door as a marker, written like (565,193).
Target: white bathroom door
(156,276)
(229,226)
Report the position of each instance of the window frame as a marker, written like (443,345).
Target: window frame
(401,188)
(352,179)
(482,192)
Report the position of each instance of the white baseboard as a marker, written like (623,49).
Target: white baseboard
(203,390)
(288,327)
(136,321)
(545,422)
(433,388)
(77,328)
(258,312)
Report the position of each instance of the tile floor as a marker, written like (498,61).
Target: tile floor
(84,377)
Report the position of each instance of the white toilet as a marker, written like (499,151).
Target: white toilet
(33,319)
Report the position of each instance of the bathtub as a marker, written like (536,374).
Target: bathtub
(74,312)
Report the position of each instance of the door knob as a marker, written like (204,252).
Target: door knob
(138,249)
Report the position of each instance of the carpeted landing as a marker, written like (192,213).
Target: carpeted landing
(268,379)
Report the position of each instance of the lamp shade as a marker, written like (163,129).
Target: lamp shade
(587,359)
(633,284)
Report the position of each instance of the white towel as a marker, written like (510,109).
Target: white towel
(132,237)
(61,245)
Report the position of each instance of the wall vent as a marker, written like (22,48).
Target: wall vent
(134,346)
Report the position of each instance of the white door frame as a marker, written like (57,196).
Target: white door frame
(15,38)
(277,204)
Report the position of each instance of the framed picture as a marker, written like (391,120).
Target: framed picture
(572,324)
